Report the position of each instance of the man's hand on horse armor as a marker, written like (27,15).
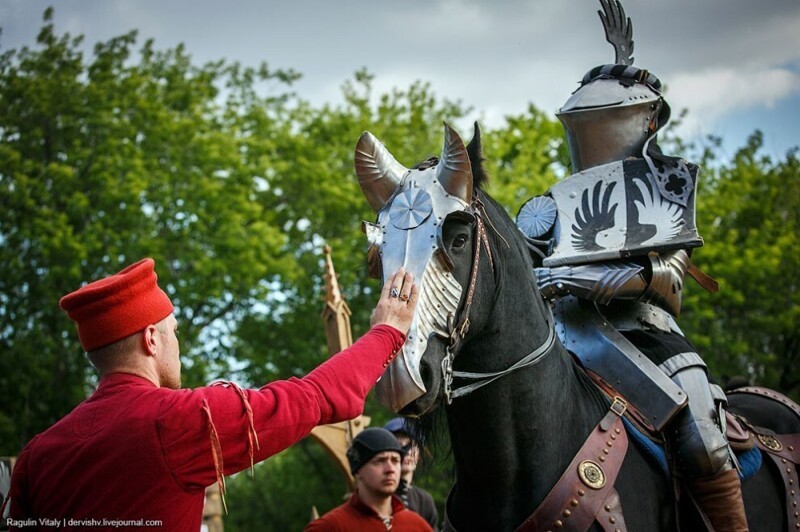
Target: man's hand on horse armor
(397,302)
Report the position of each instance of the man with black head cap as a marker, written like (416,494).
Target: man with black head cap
(414,497)
(375,457)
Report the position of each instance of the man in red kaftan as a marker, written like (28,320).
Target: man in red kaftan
(141,449)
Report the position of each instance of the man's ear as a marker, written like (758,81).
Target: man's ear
(150,340)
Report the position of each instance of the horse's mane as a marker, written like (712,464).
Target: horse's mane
(502,229)
(480,178)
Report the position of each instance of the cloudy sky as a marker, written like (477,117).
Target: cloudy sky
(734,64)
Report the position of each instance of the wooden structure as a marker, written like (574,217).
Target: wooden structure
(212,511)
(6,466)
(336,438)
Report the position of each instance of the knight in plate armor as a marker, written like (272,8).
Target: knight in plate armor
(614,241)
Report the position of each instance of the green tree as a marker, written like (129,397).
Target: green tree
(525,157)
(105,161)
(320,202)
(749,216)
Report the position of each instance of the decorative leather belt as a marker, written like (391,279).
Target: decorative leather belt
(585,492)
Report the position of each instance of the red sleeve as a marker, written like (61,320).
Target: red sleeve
(18,492)
(322,524)
(226,427)
(337,520)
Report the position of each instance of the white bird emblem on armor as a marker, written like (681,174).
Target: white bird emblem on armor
(655,211)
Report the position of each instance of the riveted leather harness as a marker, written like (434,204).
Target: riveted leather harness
(782,449)
(585,493)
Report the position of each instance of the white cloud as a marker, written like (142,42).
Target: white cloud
(713,93)
(718,57)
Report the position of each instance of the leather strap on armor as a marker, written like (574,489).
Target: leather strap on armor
(585,492)
(610,517)
(770,394)
(784,451)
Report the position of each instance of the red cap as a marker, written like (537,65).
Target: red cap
(118,306)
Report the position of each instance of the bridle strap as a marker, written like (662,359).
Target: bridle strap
(459,331)
(487,378)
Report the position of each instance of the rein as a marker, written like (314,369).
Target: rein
(458,331)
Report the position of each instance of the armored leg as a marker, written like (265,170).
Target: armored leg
(701,450)
(698,444)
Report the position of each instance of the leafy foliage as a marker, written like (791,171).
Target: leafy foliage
(106,162)
(749,215)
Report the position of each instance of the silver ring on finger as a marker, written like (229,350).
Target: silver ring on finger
(394,292)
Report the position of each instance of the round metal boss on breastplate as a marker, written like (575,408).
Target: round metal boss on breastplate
(410,208)
(537,216)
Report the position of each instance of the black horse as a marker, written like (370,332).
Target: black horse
(513,438)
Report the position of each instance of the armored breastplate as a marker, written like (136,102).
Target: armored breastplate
(613,234)
(613,211)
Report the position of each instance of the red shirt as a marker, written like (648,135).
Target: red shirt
(134,451)
(355,515)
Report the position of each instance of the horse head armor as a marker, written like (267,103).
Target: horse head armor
(412,205)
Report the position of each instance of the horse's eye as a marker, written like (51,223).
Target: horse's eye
(459,242)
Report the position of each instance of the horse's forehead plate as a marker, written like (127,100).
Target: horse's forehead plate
(408,233)
(591,474)
(410,208)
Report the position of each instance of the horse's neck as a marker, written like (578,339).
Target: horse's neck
(518,434)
